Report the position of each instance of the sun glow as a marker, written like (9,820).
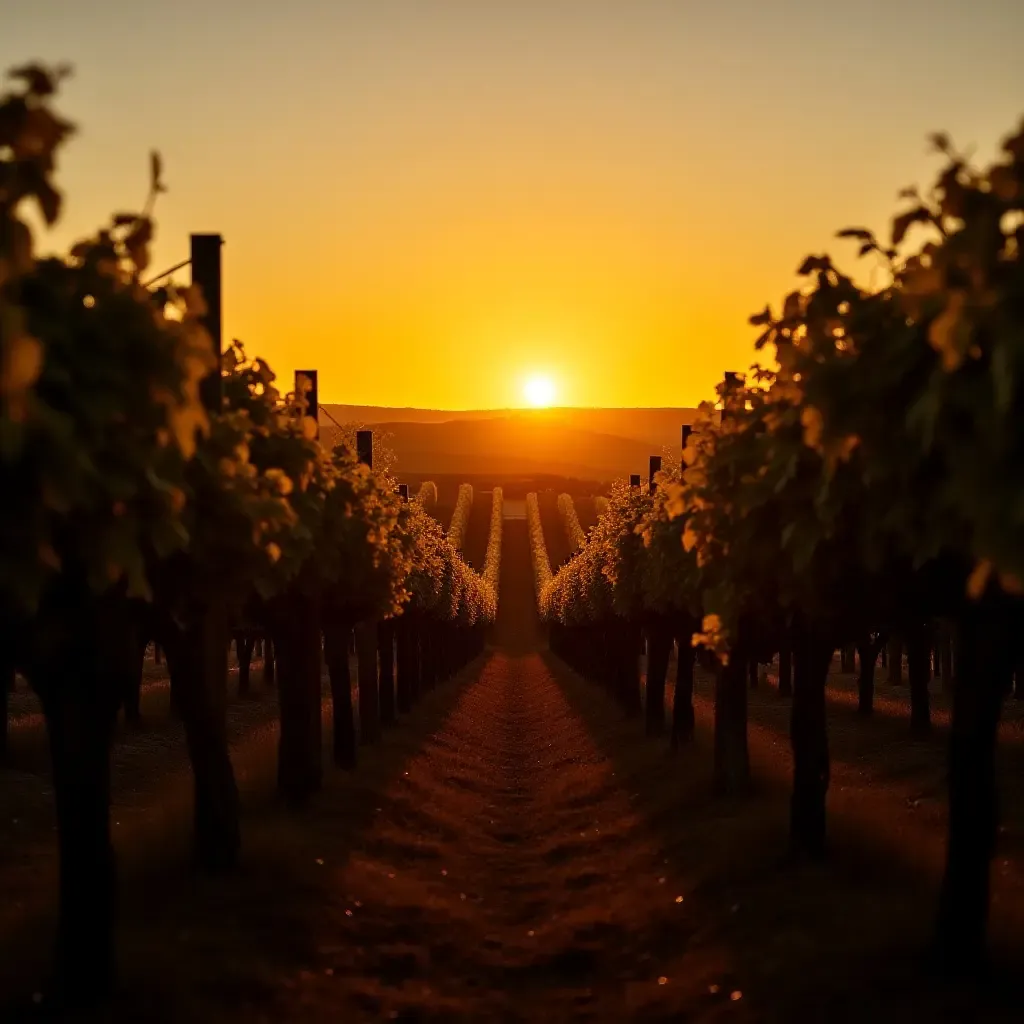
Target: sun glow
(539,391)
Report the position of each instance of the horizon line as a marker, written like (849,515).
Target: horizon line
(520,408)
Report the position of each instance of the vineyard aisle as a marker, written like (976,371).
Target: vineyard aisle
(483,864)
(489,861)
(501,877)
(499,881)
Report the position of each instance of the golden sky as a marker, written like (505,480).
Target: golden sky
(433,200)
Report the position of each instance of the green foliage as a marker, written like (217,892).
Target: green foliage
(538,548)
(120,474)
(99,385)
(440,583)
(427,495)
(344,435)
(602,578)
(492,559)
(573,531)
(879,465)
(460,516)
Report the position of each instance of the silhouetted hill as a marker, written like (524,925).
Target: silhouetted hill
(586,444)
(656,428)
(514,445)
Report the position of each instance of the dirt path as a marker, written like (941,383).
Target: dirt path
(500,879)
(517,851)
(537,860)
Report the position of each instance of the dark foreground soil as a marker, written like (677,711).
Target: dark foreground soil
(516,851)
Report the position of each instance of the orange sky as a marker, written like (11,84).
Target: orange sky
(432,200)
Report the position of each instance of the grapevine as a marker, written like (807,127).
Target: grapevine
(460,516)
(492,560)
(427,494)
(538,549)
(574,532)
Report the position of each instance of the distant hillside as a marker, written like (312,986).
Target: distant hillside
(515,445)
(656,428)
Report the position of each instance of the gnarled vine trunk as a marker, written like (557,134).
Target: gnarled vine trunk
(605,639)
(406,662)
(786,664)
(80,678)
(847,659)
(198,664)
(428,655)
(244,645)
(894,661)
(269,663)
(133,683)
(683,719)
(386,654)
(627,635)
(337,633)
(80,721)
(867,655)
(808,731)
(366,672)
(919,652)
(6,688)
(945,646)
(752,669)
(295,622)
(984,664)
(732,755)
(659,649)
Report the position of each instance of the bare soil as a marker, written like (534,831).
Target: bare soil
(517,851)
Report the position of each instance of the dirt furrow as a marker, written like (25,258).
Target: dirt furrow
(485,863)
(500,876)
(505,876)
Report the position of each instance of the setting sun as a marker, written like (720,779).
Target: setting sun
(539,391)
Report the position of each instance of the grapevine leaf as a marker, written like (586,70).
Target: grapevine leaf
(49,202)
(156,169)
(38,80)
(901,224)
(813,263)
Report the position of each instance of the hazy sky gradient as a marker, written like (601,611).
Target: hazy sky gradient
(430,201)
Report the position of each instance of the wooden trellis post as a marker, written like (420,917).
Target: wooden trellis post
(206,272)
(654,468)
(364,447)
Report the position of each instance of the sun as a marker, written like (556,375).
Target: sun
(539,391)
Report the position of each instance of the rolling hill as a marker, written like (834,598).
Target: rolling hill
(656,427)
(586,444)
